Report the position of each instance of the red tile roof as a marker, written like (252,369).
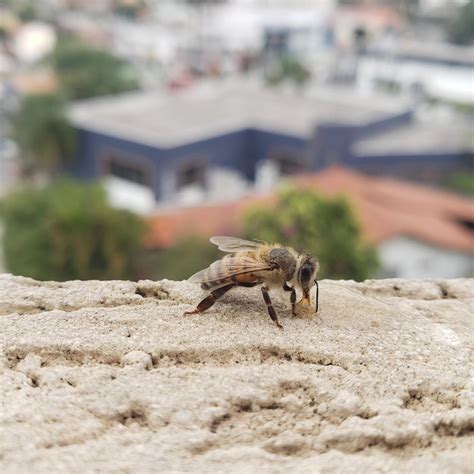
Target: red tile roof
(385,207)
(211,219)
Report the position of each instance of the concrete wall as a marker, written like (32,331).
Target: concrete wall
(403,257)
(376,382)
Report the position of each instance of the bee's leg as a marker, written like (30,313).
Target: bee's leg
(209,300)
(292,298)
(271,309)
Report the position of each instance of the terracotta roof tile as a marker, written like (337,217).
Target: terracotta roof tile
(385,207)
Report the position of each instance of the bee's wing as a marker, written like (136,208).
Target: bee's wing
(234,244)
(220,273)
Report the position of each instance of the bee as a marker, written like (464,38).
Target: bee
(252,263)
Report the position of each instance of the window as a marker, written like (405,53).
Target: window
(128,167)
(288,163)
(127,172)
(192,174)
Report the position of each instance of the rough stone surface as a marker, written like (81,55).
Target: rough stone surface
(111,377)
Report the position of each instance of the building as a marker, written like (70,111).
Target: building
(434,70)
(182,145)
(426,149)
(420,232)
(354,26)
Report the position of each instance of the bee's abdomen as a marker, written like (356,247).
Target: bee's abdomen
(217,275)
(212,285)
(214,276)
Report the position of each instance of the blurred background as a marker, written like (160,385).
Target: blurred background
(133,130)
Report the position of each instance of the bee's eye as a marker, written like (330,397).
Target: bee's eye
(305,274)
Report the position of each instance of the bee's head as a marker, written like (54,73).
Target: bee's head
(306,270)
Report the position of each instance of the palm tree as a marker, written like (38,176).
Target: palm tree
(45,137)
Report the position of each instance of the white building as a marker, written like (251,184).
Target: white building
(407,257)
(439,71)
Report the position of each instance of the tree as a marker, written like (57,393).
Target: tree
(324,227)
(288,68)
(461,30)
(128,8)
(459,182)
(68,231)
(28,11)
(86,71)
(25,9)
(43,132)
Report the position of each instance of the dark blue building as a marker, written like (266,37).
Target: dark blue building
(169,142)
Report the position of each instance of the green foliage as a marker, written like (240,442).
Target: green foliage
(68,231)
(461,31)
(43,131)
(288,68)
(28,11)
(462,183)
(129,9)
(189,255)
(200,3)
(25,9)
(86,71)
(3,33)
(324,227)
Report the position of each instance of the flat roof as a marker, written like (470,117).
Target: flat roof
(213,108)
(418,137)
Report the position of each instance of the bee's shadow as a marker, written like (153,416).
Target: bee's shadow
(253,296)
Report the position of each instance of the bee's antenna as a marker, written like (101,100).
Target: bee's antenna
(317,295)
